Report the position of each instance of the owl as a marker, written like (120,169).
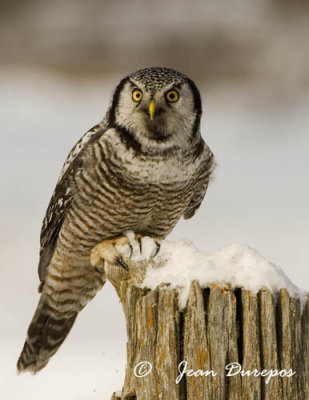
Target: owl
(141,169)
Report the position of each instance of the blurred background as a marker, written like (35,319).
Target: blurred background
(59,63)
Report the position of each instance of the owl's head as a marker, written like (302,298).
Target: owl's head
(157,108)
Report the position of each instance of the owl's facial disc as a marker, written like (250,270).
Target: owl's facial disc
(164,115)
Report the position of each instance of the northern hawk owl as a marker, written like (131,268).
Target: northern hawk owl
(142,168)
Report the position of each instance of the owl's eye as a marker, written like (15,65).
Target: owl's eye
(137,95)
(172,96)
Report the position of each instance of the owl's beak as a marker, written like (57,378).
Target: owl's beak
(152,109)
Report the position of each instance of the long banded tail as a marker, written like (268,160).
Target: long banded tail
(47,331)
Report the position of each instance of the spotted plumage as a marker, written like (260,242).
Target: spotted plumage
(142,168)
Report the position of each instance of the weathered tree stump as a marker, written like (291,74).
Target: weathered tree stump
(219,326)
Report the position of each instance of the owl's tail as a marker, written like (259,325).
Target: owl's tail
(46,333)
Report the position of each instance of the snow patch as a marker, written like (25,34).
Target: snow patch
(237,264)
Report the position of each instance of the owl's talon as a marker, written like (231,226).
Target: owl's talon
(131,249)
(122,264)
(158,245)
(139,241)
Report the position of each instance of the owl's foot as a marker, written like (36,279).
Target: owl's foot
(132,246)
(140,247)
(106,251)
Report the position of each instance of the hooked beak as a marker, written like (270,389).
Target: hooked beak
(152,109)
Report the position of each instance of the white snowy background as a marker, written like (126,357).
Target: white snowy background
(259,131)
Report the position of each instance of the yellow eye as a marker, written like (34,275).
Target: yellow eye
(172,96)
(137,95)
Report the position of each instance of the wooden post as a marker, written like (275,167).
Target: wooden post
(219,326)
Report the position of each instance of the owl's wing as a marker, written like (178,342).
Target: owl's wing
(204,175)
(62,198)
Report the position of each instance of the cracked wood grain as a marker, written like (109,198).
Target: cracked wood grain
(220,325)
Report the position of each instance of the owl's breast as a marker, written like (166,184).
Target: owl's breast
(171,201)
(116,192)
(164,189)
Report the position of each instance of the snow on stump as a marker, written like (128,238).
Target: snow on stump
(227,325)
